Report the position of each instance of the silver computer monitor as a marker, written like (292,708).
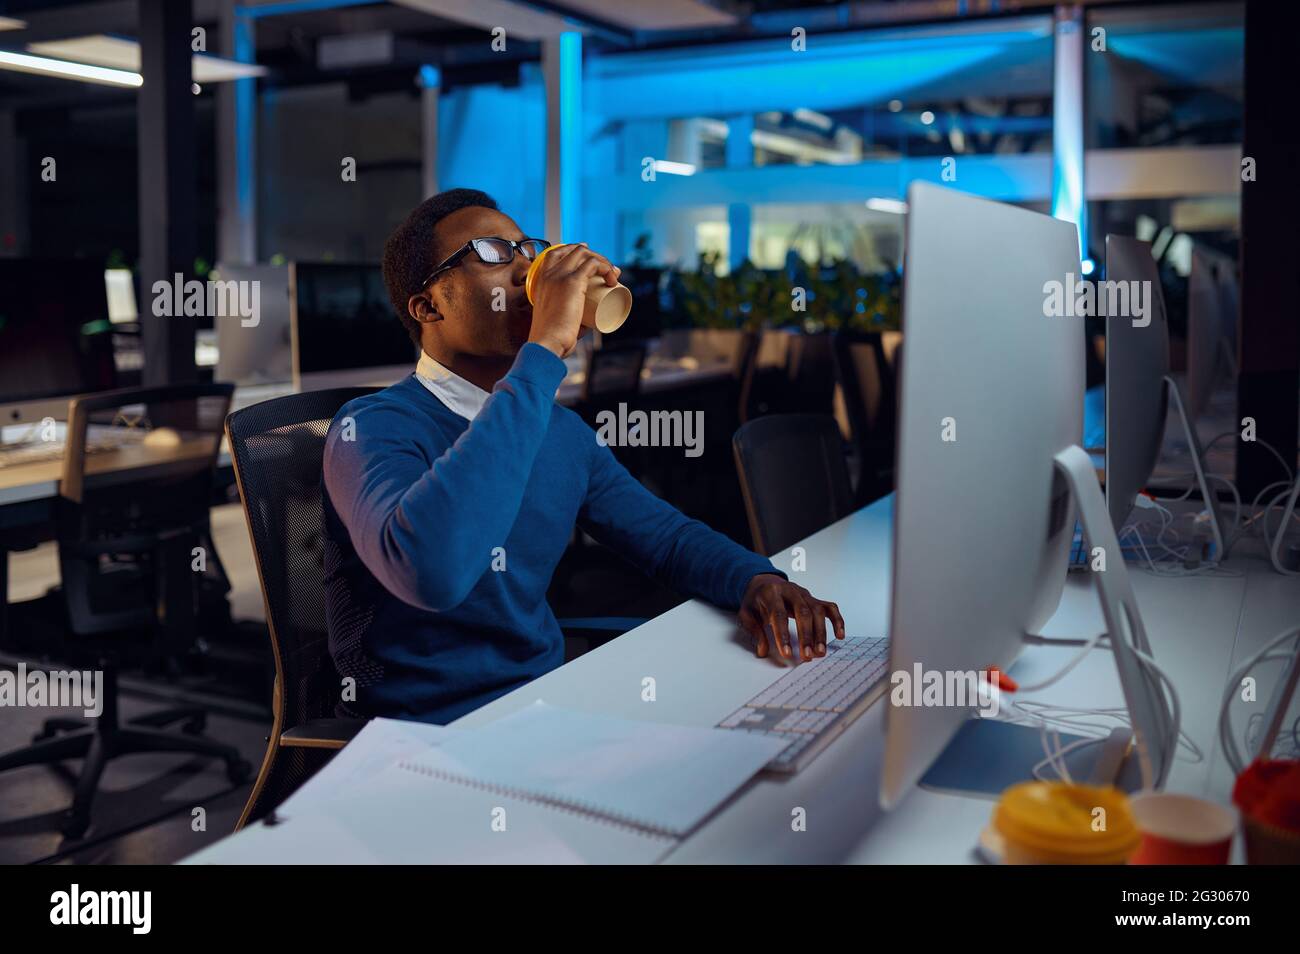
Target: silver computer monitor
(990,474)
(257,349)
(991,390)
(1137,363)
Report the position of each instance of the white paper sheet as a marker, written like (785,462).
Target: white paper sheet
(379,744)
(665,777)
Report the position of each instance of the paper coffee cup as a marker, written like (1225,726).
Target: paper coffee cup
(607,306)
(1056,823)
(1182,830)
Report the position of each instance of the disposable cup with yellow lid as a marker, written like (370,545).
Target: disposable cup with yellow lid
(607,306)
(1060,823)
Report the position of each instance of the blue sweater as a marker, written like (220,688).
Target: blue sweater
(429,617)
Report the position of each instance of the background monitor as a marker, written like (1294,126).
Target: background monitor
(1206,341)
(55,336)
(991,391)
(1137,362)
(260,353)
(119,284)
(344,329)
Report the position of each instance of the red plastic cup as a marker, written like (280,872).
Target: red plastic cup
(1182,830)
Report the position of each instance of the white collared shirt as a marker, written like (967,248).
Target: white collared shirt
(460,396)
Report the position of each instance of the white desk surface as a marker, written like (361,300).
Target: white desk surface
(704,668)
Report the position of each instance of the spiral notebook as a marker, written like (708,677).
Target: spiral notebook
(663,780)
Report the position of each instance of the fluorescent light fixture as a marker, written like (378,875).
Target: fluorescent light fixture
(123,53)
(9,23)
(895,206)
(44,66)
(814,118)
(802,150)
(1088,266)
(517,19)
(674,168)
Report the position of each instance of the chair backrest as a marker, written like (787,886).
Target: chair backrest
(614,371)
(137,477)
(810,367)
(867,380)
(278,448)
(793,476)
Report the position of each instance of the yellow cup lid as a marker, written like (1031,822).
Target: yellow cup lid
(1063,821)
(532,269)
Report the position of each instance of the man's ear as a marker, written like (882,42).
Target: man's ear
(422,309)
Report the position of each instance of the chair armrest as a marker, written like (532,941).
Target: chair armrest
(322,733)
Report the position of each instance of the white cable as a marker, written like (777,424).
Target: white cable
(1226,739)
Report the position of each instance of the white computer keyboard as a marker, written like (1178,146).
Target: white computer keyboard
(814,702)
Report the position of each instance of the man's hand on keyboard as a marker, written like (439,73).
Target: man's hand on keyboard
(770,602)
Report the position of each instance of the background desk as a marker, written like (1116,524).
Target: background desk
(704,668)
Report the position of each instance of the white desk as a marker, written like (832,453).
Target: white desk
(704,668)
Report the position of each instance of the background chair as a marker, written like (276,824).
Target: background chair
(613,377)
(138,469)
(867,383)
(613,374)
(793,476)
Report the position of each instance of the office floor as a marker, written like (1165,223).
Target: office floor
(145,812)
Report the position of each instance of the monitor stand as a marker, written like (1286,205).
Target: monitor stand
(1198,465)
(986,755)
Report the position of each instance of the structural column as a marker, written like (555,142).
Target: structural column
(1068,201)
(1268,386)
(237,145)
(562,73)
(166,173)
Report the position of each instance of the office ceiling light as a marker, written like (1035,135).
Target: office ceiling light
(896,206)
(674,168)
(45,66)
(9,23)
(813,118)
(516,19)
(123,53)
(659,15)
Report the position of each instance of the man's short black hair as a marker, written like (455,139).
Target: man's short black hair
(409,252)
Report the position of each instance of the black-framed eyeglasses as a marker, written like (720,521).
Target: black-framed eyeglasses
(490,251)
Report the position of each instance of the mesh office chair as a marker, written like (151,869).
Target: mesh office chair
(133,503)
(867,382)
(278,448)
(793,477)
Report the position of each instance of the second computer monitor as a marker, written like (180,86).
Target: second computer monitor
(1207,339)
(1137,363)
(344,329)
(992,382)
(256,349)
